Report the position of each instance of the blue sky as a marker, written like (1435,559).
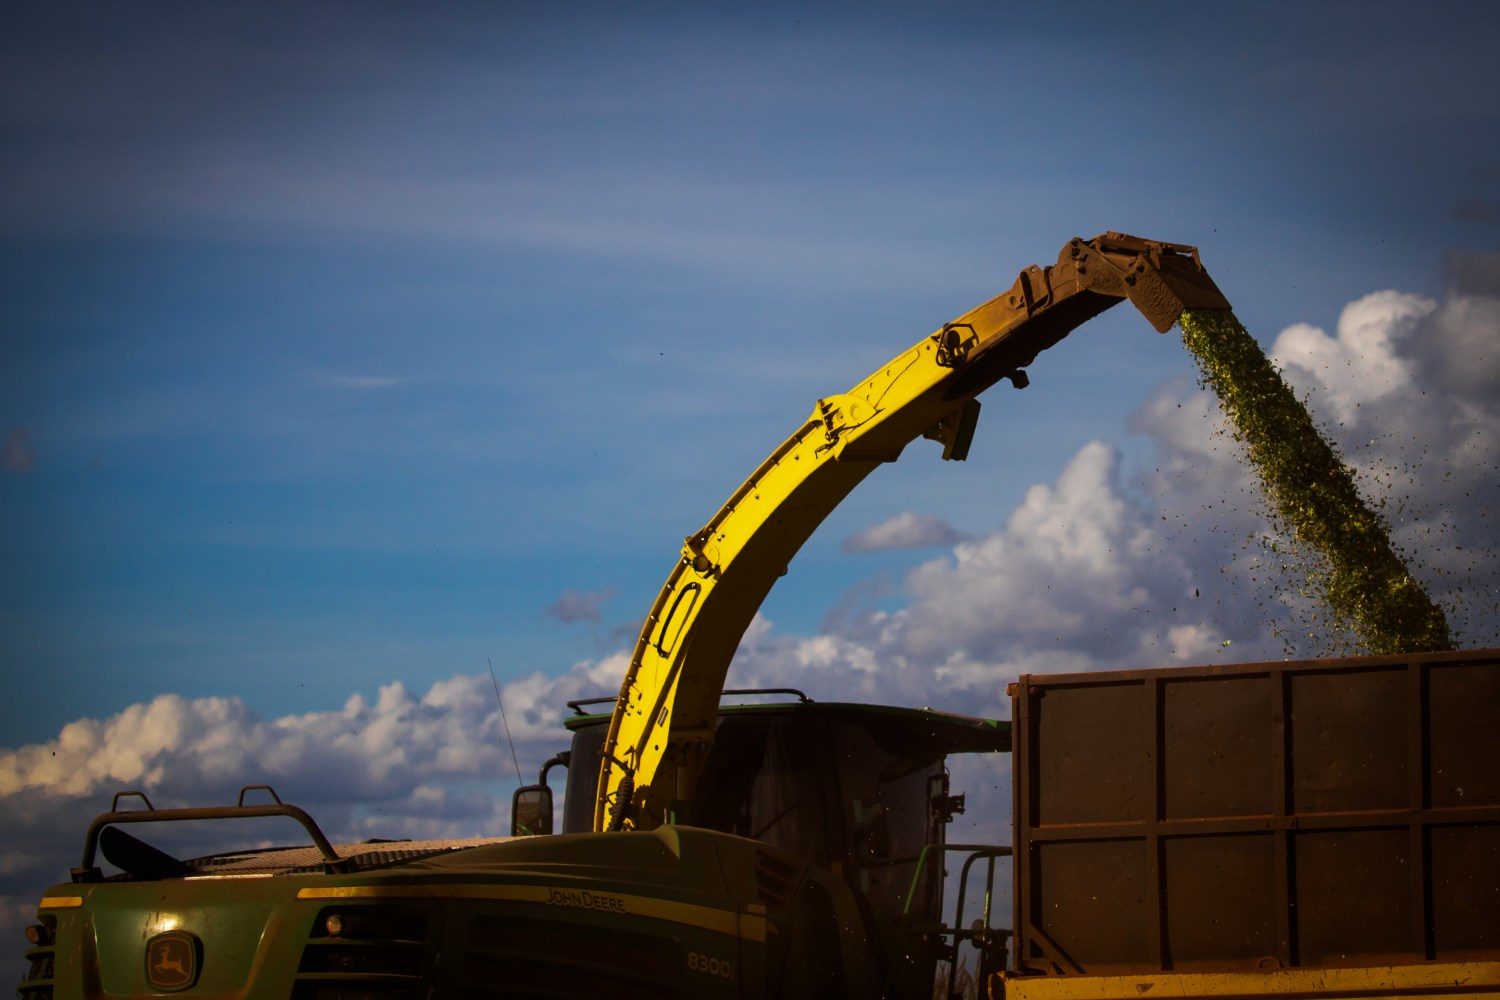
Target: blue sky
(340,343)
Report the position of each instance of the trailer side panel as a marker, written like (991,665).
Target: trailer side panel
(1328,814)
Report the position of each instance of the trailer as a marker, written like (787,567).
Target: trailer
(1299,828)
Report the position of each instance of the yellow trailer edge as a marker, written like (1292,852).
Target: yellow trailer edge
(1447,979)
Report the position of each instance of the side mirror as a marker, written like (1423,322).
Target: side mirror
(531,811)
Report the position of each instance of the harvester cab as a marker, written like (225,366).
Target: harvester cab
(860,791)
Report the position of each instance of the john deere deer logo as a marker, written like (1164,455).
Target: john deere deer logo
(172,960)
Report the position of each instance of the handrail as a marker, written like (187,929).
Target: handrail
(979,850)
(802,699)
(980,935)
(87,871)
(577,703)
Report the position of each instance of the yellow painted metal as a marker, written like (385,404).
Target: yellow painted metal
(60,902)
(1451,979)
(664,716)
(749,926)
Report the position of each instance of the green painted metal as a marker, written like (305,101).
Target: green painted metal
(677,911)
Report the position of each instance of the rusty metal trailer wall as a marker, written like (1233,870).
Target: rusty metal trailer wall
(1319,813)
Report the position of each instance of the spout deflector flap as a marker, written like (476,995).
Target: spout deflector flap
(1162,280)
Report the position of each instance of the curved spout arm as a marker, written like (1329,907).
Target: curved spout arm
(664,717)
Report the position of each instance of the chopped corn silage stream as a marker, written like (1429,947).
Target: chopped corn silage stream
(1360,577)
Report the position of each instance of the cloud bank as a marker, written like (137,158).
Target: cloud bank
(1108,566)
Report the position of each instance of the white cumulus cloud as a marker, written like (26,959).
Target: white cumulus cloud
(402,765)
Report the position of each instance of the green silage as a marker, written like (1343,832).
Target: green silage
(1312,493)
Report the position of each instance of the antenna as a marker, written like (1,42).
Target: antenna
(519,780)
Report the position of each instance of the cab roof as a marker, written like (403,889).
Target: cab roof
(952,732)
